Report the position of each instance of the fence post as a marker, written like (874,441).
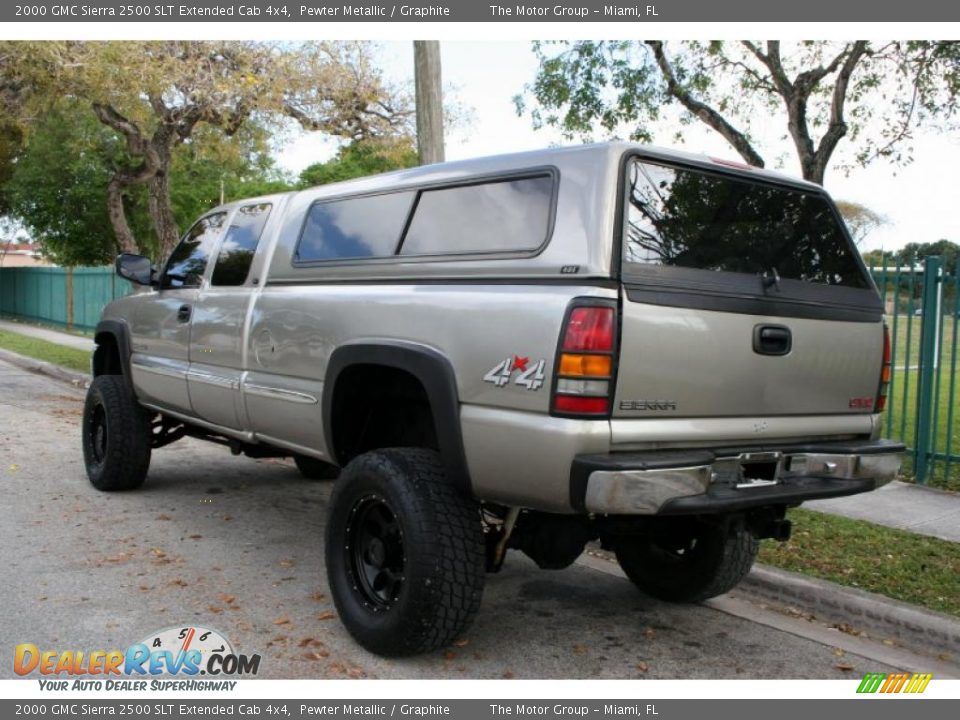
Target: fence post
(929,323)
(69,293)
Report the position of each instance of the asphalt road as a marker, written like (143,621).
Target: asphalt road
(236,544)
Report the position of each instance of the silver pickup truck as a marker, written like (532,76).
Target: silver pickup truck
(657,351)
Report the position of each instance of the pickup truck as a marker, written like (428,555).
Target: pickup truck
(657,351)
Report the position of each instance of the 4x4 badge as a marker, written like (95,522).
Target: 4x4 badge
(531,372)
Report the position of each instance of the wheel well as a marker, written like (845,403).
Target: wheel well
(377,406)
(106,356)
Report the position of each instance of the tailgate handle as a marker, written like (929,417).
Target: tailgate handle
(772,340)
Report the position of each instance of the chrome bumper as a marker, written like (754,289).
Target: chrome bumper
(725,481)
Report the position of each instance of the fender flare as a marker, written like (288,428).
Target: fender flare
(118,330)
(436,375)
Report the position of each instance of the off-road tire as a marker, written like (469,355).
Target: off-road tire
(439,531)
(116,435)
(713,562)
(315,469)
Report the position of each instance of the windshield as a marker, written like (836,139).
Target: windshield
(691,219)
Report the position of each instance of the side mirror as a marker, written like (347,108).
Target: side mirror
(135,268)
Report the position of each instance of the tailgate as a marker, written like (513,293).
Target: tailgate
(691,362)
(741,297)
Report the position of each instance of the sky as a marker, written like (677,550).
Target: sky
(919,200)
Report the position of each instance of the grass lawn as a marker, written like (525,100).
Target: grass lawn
(46,351)
(912,568)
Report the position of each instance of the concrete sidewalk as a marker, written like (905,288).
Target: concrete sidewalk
(77,342)
(917,509)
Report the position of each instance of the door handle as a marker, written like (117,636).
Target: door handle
(183,314)
(772,340)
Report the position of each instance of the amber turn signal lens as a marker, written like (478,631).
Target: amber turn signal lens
(586,365)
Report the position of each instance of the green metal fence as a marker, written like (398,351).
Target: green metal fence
(923,312)
(67,297)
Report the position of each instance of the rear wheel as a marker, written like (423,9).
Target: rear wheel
(700,561)
(116,435)
(314,469)
(404,552)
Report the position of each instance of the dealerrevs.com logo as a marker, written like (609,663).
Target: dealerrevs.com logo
(185,652)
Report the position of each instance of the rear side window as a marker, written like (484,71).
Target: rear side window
(690,219)
(362,227)
(188,261)
(502,216)
(240,244)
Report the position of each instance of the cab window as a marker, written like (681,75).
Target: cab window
(188,261)
(240,245)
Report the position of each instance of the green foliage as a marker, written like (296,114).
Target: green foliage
(242,164)
(879,258)
(359,159)
(58,186)
(912,253)
(58,189)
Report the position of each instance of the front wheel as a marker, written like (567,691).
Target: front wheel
(116,435)
(404,552)
(689,564)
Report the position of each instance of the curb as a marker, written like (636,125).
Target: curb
(880,616)
(72,377)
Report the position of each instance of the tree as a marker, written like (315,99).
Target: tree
(58,189)
(879,259)
(156,95)
(860,220)
(913,253)
(359,159)
(875,94)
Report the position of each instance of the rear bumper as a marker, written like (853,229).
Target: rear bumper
(720,480)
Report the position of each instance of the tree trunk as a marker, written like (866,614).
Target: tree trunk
(426,58)
(118,217)
(161,210)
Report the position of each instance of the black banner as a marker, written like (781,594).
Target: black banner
(574,11)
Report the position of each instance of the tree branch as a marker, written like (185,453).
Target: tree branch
(838,126)
(701,110)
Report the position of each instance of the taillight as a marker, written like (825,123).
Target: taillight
(584,374)
(886,370)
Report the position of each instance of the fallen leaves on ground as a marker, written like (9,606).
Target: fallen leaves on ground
(847,628)
(326,615)
(282,621)
(642,667)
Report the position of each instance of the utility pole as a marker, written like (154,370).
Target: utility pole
(426,61)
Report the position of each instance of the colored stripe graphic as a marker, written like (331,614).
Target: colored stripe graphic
(901,682)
